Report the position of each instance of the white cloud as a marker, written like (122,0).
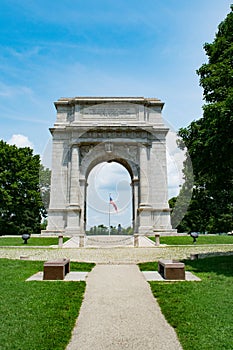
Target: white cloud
(175,159)
(11,91)
(108,178)
(46,156)
(20,141)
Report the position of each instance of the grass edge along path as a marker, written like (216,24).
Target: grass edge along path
(37,315)
(200,312)
(201,240)
(33,241)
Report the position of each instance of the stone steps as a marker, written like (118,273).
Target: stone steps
(108,241)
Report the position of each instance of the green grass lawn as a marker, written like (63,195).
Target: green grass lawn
(37,315)
(200,312)
(202,239)
(33,241)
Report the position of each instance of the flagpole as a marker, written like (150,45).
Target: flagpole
(109,215)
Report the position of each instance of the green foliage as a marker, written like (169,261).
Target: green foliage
(98,230)
(44,224)
(200,312)
(180,204)
(148,266)
(81,266)
(21,207)
(104,230)
(45,184)
(36,315)
(33,241)
(209,140)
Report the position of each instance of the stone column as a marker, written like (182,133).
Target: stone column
(158,174)
(73,209)
(158,184)
(82,186)
(74,177)
(57,206)
(81,240)
(136,240)
(135,192)
(144,186)
(145,223)
(60,241)
(157,238)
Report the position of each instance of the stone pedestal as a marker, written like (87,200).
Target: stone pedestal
(81,241)
(73,213)
(60,241)
(56,270)
(171,269)
(157,239)
(136,240)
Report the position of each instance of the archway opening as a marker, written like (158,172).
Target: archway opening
(109,180)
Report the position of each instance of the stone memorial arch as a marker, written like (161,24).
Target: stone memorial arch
(91,130)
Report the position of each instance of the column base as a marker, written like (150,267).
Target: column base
(73,227)
(164,232)
(154,220)
(73,231)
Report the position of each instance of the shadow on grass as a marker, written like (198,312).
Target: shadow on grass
(220,265)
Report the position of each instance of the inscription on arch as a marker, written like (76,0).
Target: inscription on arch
(108,111)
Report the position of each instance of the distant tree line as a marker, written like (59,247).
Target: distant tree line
(104,230)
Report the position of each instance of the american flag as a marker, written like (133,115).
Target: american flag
(113,203)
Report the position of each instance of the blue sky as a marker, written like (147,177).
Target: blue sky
(50,49)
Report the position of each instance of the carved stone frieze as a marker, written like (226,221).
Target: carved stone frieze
(103,135)
(128,152)
(84,150)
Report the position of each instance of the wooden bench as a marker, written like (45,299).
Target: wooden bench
(56,269)
(171,269)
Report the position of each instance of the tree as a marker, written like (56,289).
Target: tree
(180,204)
(21,207)
(209,139)
(104,230)
(45,184)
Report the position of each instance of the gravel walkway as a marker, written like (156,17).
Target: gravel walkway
(120,312)
(122,255)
